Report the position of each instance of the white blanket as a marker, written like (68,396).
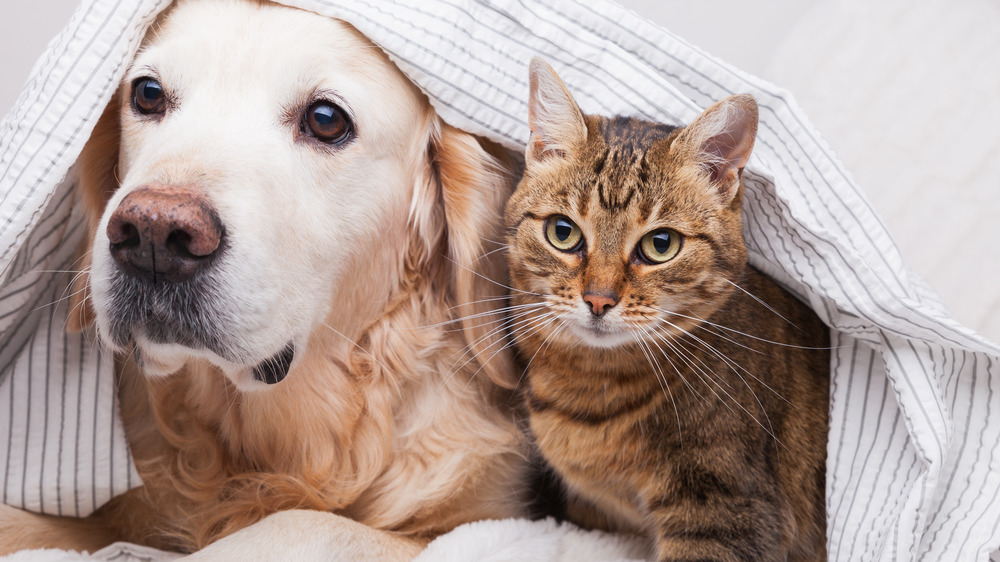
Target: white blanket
(914,466)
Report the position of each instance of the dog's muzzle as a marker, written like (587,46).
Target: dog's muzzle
(163,241)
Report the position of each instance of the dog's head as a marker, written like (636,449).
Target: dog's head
(263,172)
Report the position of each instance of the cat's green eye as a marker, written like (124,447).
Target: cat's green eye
(563,233)
(660,246)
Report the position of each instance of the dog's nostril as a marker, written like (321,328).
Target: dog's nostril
(130,236)
(179,242)
(122,232)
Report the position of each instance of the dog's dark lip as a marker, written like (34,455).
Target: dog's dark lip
(274,369)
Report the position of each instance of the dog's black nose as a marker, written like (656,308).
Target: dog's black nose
(164,232)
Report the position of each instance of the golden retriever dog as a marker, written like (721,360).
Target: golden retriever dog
(291,260)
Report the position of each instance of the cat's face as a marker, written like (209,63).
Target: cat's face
(623,228)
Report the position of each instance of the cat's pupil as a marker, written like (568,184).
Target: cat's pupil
(563,230)
(661,242)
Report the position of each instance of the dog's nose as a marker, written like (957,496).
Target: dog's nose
(168,233)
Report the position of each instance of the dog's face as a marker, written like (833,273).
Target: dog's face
(268,157)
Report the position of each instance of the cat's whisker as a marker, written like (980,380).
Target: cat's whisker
(733,365)
(491,252)
(544,345)
(706,371)
(705,377)
(497,321)
(721,335)
(762,303)
(652,340)
(728,329)
(661,378)
(497,283)
(480,301)
(544,321)
(506,322)
(492,312)
(468,349)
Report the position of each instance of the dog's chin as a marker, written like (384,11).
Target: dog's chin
(164,359)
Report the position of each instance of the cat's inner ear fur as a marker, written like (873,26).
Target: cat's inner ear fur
(557,125)
(721,140)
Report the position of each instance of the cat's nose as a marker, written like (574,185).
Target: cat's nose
(600,302)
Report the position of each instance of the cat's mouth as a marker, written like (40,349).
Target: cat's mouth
(602,332)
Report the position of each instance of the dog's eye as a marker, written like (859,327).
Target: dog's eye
(148,96)
(327,122)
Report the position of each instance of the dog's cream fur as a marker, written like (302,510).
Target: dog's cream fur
(371,257)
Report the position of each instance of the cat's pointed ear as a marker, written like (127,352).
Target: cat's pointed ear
(721,139)
(556,122)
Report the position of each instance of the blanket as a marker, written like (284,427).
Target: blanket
(913,467)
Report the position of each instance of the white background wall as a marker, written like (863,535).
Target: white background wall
(871,78)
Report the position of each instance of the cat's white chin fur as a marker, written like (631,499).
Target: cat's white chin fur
(601,335)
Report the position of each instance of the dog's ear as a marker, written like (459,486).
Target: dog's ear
(95,184)
(473,186)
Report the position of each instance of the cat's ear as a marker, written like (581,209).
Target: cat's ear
(556,122)
(721,139)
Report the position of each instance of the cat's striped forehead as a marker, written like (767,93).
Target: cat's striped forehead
(619,169)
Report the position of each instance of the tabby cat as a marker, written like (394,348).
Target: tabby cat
(674,389)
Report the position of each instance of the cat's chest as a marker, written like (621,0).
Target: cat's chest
(599,440)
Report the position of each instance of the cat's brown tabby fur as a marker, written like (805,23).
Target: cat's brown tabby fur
(677,391)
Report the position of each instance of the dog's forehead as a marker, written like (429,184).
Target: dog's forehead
(243,46)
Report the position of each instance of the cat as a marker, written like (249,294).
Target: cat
(675,390)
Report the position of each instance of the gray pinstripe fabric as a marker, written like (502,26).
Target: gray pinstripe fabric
(914,466)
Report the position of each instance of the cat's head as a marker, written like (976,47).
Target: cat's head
(622,226)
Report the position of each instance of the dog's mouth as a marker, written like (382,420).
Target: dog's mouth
(275,368)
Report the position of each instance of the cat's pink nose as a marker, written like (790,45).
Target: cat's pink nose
(600,303)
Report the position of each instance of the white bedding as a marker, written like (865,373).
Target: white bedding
(913,469)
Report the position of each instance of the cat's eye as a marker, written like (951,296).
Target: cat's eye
(563,233)
(148,96)
(659,246)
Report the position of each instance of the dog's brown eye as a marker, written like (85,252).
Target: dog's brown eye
(327,122)
(148,96)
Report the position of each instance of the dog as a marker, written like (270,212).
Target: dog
(290,260)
